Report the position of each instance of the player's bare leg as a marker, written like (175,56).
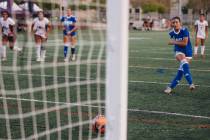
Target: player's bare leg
(73,49)
(66,41)
(4,54)
(203,48)
(38,48)
(43,53)
(11,45)
(196,48)
(192,86)
(4,48)
(43,50)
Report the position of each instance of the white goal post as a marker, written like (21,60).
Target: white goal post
(117,69)
(55,99)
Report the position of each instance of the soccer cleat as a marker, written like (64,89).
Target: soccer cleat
(192,87)
(168,90)
(17,49)
(38,59)
(42,59)
(66,59)
(73,58)
(4,59)
(43,54)
(195,56)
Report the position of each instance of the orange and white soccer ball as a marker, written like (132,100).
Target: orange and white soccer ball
(99,123)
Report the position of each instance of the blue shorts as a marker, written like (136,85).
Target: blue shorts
(186,52)
(72,34)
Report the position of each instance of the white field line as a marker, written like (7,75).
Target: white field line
(55,42)
(93,62)
(49,87)
(139,38)
(46,75)
(137,57)
(169,114)
(25,91)
(60,105)
(137,51)
(161,83)
(166,59)
(155,50)
(160,50)
(50,65)
(84,78)
(152,58)
(167,68)
(129,110)
(73,77)
(60,41)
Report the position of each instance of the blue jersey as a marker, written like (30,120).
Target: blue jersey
(68,23)
(178,36)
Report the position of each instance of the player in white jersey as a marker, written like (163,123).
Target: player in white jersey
(201,29)
(40,27)
(7,30)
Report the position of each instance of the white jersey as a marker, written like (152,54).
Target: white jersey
(40,26)
(201,28)
(5,25)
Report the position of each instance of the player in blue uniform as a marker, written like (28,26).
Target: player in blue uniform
(69,32)
(180,39)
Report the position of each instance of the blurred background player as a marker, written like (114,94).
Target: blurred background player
(180,38)
(7,25)
(40,28)
(69,32)
(201,30)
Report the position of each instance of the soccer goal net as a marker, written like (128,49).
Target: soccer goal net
(57,96)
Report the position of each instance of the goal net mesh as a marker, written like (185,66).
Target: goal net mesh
(54,99)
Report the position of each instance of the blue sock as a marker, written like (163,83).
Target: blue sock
(177,79)
(73,50)
(65,51)
(186,71)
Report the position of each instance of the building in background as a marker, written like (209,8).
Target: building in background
(176,7)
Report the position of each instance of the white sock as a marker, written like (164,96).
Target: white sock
(16,48)
(1,51)
(202,50)
(43,53)
(38,51)
(196,50)
(4,51)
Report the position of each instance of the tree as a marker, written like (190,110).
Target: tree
(161,6)
(197,5)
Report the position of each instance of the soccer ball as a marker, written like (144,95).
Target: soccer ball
(99,123)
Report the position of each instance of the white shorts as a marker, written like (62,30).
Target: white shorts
(201,36)
(178,53)
(42,35)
